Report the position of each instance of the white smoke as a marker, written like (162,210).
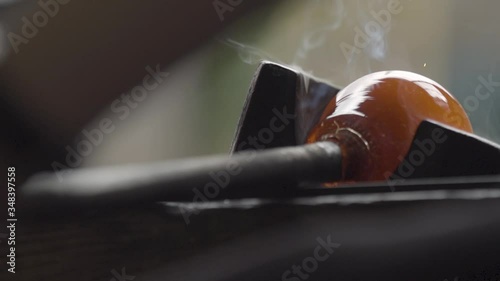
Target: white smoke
(248,54)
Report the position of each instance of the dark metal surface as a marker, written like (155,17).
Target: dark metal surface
(246,174)
(272,88)
(279,88)
(460,154)
(431,234)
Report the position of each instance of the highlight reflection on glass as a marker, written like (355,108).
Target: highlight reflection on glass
(375,118)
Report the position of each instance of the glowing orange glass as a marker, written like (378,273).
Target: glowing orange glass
(375,118)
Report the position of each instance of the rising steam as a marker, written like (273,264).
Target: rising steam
(321,28)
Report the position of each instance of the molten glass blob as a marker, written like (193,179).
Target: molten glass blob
(375,118)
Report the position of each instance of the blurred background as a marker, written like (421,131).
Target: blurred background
(87,54)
